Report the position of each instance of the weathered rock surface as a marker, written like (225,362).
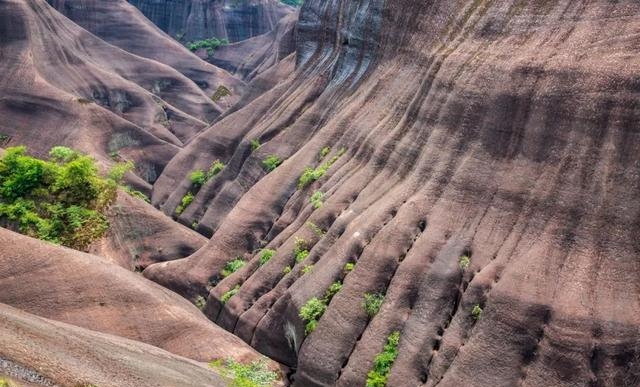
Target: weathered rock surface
(38,352)
(85,290)
(506,131)
(121,24)
(190,20)
(140,235)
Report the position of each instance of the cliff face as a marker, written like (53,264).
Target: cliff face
(199,19)
(503,131)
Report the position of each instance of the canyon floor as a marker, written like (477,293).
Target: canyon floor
(349,193)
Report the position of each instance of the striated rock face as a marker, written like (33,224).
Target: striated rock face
(199,19)
(506,131)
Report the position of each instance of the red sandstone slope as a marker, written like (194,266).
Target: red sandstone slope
(87,291)
(40,352)
(506,131)
(62,85)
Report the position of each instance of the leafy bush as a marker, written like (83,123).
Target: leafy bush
(198,178)
(372,303)
(309,175)
(136,194)
(324,152)
(307,269)
(464,262)
(232,266)
(221,92)
(286,270)
(311,312)
(383,362)
(254,374)
(271,162)
(316,229)
(255,144)
(332,291)
(265,255)
(210,45)
(225,297)
(184,203)
(300,251)
(200,302)
(476,312)
(60,200)
(348,267)
(117,172)
(216,167)
(316,199)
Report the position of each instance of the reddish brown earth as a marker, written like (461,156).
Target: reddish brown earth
(506,130)
(40,352)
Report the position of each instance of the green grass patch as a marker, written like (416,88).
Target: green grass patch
(255,144)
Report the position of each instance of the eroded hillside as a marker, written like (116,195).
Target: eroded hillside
(441,193)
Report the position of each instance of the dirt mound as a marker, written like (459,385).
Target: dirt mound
(40,352)
(485,188)
(85,290)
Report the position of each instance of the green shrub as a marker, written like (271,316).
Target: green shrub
(271,162)
(184,203)
(372,303)
(286,270)
(300,251)
(221,92)
(216,167)
(324,152)
(332,291)
(476,312)
(60,200)
(309,175)
(307,269)
(383,362)
(254,374)
(316,199)
(210,45)
(464,262)
(311,312)
(117,172)
(255,144)
(225,297)
(265,255)
(135,193)
(232,266)
(348,267)
(316,230)
(198,178)
(200,302)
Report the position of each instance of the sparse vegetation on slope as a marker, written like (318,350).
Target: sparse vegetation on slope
(271,162)
(210,44)
(372,303)
(232,266)
(309,175)
(315,307)
(254,374)
(60,200)
(382,364)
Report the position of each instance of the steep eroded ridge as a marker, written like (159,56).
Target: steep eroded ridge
(505,132)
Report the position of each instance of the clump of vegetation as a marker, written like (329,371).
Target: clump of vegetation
(5,383)
(232,266)
(464,262)
(135,193)
(315,307)
(200,302)
(383,362)
(286,270)
(265,255)
(197,178)
(317,199)
(372,303)
(476,312)
(184,203)
(316,229)
(309,175)
(255,144)
(300,251)
(60,200)
(210,45)
(348,267)
(271,162)
(225,297)
(221,92)
(323,153)
(307,269)
(216,167)
(254,374)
